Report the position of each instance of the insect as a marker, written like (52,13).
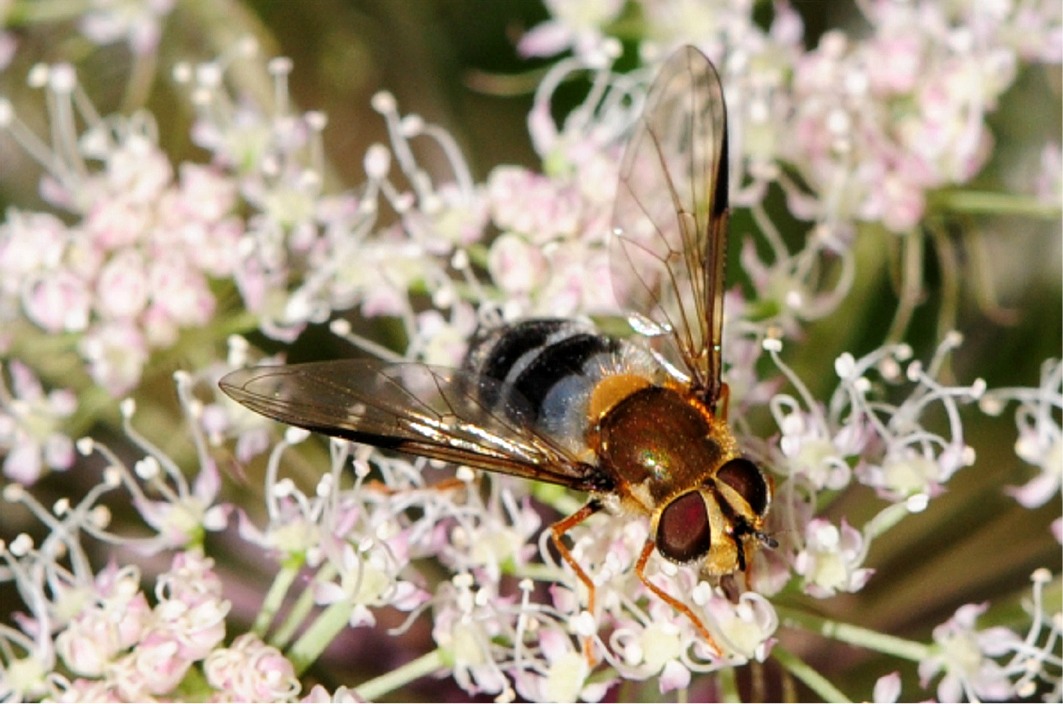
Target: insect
(642,431)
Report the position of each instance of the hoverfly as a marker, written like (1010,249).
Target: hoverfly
(553,400)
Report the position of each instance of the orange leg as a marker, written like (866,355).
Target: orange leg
(724,401)
(380,487)
(557,531)
(640,570)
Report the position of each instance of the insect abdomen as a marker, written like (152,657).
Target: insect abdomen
(554,364)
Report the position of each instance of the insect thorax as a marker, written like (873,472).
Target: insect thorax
(661,443)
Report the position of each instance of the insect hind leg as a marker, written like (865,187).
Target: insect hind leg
(557,532)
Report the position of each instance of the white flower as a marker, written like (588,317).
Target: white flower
(745,628)
(30,422)
(1040,441)
(465,622)
(963,655)
(137,22)
(1036,665)
(577,25)
(831,559)
(887,689)
(565,672)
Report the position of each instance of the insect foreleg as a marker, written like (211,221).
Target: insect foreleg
(640,570)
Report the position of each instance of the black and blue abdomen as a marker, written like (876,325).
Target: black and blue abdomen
(555,365)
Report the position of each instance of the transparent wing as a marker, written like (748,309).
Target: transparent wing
(670,217)
(434,412)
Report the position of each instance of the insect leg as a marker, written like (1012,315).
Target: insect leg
(766,541)
(640,570)
(557,531)
(724,401)
(448,484)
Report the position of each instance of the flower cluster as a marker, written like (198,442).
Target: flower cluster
(967,657)
(876,123)
(117,645)
(139,257)
(133,271)
(100,628)
(860,438)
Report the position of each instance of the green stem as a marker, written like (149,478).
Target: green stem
(988,203)
(949,270)
(194,687)
(281,583)
(728,685)
(413,670)
(537,572)
(321,632)
(854,635)
(802,671)
(910,292)
(303,606)
(556,497)
(141,78)
(884,520)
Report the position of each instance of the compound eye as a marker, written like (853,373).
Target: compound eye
(748,481)
(683,531)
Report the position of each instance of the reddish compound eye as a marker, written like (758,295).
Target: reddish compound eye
(683,530)
(746,478)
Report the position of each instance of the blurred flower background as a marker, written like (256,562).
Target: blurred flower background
(192,186)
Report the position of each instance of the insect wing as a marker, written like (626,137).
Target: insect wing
(423,410)
(670,216)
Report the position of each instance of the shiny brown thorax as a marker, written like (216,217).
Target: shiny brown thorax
(674,461)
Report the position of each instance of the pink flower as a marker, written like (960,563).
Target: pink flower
(179,291)
(1040,441)
(745,628)
(114,621)
(444,342)
(190,617)
(114,222)
(29,243)
(122,287)
(116,353)
(154,667)
(58,301)
(251,671)
(539,208)
(887,689)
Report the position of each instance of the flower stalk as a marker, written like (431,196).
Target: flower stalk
(808,675)
(854,635)
(417,668)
